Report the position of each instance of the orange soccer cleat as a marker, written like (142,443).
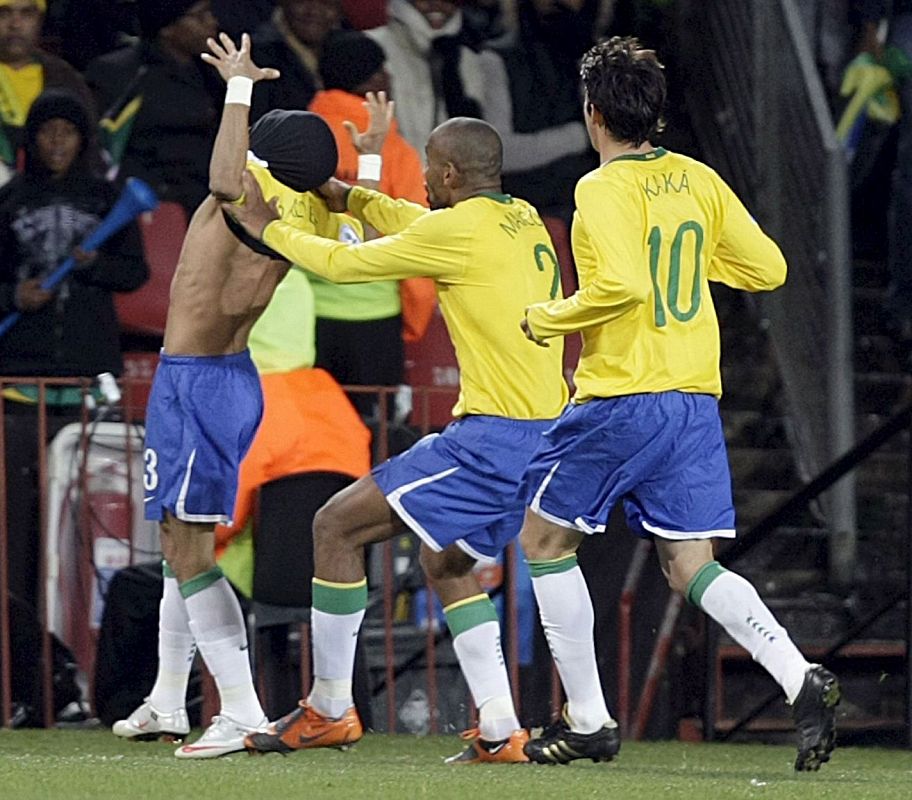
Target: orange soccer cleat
(483,751)
(306,728)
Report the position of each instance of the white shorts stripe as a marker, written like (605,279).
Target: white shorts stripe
(394,498)
(722,533)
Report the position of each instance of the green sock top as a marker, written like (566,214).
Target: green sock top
(552,566)
(699,583)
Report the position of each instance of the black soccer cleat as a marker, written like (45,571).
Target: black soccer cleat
(814,712)
(560,745)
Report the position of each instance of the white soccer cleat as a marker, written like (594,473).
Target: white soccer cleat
(223,736)
(149,723)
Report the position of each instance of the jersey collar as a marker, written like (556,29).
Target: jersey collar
(652,155)
(498,197)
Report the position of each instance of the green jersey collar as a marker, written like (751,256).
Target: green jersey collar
(496,196)
(652,155)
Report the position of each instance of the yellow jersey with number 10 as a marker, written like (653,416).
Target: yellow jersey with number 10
(649,234)
(490,256)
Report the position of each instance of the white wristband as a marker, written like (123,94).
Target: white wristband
(240,90)
(369,167)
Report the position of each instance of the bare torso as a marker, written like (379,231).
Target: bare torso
(220,288)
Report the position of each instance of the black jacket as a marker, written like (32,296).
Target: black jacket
(297,85)
(41,221)
(172,136)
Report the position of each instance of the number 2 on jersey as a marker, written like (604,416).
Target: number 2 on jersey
(673,288)
(544,253)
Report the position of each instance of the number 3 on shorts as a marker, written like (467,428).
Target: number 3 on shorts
(150,475)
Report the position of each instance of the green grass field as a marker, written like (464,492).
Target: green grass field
(93,764)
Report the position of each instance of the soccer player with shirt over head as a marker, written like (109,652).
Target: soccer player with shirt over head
(206,401)
(490,256)
(651,230)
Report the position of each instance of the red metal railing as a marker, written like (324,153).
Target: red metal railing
(131,409)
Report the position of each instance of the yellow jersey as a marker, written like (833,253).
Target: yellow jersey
(490,257)
(306,211)
(649,233)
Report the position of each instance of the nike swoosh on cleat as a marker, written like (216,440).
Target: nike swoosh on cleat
(142,725)
(192,748)
(496,748)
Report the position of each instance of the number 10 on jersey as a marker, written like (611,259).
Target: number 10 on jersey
(686,247)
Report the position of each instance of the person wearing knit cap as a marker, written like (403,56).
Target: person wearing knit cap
(45,211)
(350,59)
(206,401)
(362,328)
(159,103)
(26,71)
(292,41)
(154,15)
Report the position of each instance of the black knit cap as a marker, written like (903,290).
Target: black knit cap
(54,104)
(157,14)
(349,58)
(57,104)
(298,147)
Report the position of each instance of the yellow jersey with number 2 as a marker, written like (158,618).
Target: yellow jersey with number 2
(490,256)
(649,233)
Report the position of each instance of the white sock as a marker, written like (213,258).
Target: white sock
(481,660)
(566,614)
(732,602)
(335,637)
(218,627)
(176,649)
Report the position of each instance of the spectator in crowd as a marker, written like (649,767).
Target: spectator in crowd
(71,331)
(237,17)
(360,326)
(434,76)
(291,41)
(81,30)
(160,106)
(532,98)
(896,56)
(25,71)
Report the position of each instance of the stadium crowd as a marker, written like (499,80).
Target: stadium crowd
(129,79)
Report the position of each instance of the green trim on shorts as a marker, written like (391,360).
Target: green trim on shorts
(463,616)
(197,583)
(167,572)
(339,598)
(552,566)
(699,583)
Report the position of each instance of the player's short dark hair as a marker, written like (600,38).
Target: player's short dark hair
(473,145)
(626,83)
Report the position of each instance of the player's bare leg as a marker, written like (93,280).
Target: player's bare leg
(586,729)
(812,691)
(475,630)
(217,625)
(355,517)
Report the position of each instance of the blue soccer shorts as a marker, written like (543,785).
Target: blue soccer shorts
(202,415)
(663,455)
(462,486)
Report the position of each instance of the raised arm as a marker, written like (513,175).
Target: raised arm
(229,154)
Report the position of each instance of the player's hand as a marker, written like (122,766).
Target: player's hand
(29,295)
(335,194)
(254,213)
(531,336)
(380,117)
(232,62)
